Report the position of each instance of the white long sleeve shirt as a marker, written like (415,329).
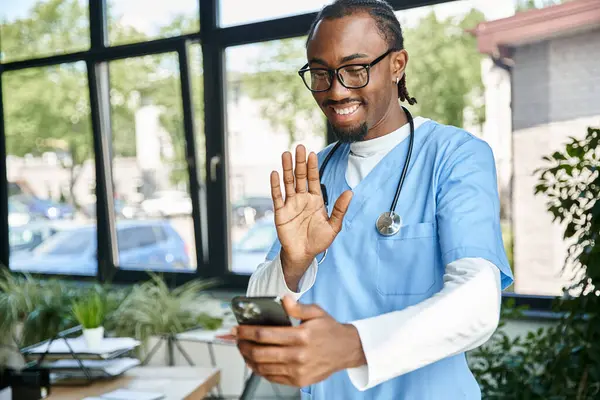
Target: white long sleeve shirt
(461,316)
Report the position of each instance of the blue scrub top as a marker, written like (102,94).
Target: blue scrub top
(450,210)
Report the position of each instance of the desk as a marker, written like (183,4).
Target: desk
(177,383)
(214,338)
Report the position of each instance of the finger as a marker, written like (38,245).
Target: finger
(288,174)
(278,202)
(266,354)
(271,369)
(271,335)
(301,169)
(339,210)
(314,183)
(301,311)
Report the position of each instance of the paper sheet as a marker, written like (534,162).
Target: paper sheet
(111,367)
(127,394)
(79,346)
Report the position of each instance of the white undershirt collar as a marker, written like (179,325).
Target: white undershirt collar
(384,143)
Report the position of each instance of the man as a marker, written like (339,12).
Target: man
(385,316)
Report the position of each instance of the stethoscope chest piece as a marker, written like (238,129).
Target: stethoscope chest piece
(389,223)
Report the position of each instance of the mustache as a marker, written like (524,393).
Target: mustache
(330,102)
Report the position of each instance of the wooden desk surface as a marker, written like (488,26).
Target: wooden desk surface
(176,383)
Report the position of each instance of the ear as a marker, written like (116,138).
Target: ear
(399,59)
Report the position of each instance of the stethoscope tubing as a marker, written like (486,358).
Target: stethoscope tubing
(402,176)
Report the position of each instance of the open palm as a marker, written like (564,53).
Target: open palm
(303,226)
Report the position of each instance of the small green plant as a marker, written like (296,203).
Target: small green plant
(90,312)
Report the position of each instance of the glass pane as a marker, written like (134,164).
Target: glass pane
(39,28)
(260,79)
(51,170)
(131,21)
(150,178)
(237,12)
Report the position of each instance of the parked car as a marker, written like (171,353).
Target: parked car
(28,237)
(168,203)
(45,208)
(122,210)
(144,245)
(253,247)
(250,209)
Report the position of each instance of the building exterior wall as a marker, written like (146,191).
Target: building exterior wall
(557,80)
(556,94)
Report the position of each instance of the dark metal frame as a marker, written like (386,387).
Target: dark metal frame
(212,249)
(336,72)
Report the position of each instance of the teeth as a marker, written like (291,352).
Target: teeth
(347,110)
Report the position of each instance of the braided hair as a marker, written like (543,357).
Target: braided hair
(385,19)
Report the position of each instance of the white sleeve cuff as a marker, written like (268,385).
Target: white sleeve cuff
(359,377)
(269,280)
(446,324)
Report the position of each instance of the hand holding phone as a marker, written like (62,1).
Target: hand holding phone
(297,355)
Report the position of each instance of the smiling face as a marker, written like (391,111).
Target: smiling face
(368,112)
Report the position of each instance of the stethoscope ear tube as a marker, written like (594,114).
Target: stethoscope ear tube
(407,162)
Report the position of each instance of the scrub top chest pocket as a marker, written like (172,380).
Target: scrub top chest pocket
(407,262)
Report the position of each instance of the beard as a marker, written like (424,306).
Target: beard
(352,134)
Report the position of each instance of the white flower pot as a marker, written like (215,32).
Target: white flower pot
(93,337)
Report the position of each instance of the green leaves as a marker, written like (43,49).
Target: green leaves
(90,311)
(152,308)
(444,69)
(274,84)
(48,108)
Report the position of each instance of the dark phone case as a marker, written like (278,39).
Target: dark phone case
(267,311)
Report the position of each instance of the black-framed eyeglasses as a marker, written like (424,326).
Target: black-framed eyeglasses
(351,76)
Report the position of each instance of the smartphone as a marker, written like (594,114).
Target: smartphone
(267,311)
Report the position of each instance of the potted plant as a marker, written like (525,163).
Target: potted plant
(90,313)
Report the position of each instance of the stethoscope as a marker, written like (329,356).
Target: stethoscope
(389,222)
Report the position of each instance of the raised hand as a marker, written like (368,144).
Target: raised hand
(303,226)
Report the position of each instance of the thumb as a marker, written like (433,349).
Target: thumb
(301,311)
(339,210)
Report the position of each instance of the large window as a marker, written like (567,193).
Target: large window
(38,28)
(150,179)
(269,111)
(50,165)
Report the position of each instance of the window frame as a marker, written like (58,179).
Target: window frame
(212,250)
